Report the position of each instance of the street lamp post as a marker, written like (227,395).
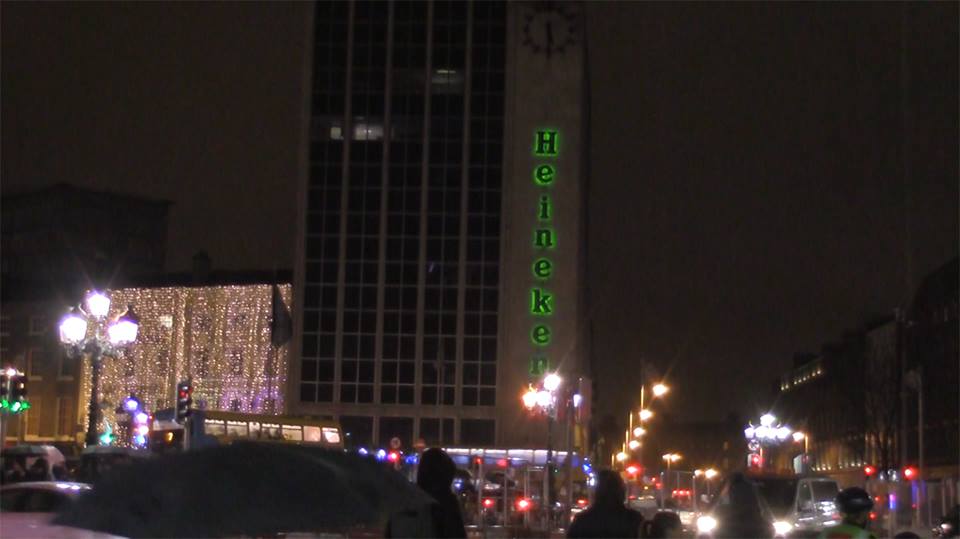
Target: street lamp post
(109,339)
(670,458)
(545,401)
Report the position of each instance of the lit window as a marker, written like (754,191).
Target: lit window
(331,435)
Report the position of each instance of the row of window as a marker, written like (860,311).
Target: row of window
(359,431)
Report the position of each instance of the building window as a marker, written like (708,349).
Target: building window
(430,431)
(34,364)
(357,430)
(478,432)
(5,326)
(33,417)
(67,367)
(65,419)
(38,325)
(396,427)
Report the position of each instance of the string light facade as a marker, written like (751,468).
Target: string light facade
(217,336)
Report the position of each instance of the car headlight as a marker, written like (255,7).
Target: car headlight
(781,527)
(706,524)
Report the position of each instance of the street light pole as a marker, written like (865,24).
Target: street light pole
(93,414)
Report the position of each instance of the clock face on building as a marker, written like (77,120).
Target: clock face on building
(550,28)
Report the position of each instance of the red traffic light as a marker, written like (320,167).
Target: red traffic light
(524,504)
(910,473)
(633,469)
(488,502)
(869,470)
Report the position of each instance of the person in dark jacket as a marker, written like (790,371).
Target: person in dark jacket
(607,516)
(435,476)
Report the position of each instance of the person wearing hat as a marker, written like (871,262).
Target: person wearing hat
(854,504)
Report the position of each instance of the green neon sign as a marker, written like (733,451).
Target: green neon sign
(545,209)
(544,175)
(539,365)
(542,268)
(540,335)
(541,302)
(546,143)
(544,238)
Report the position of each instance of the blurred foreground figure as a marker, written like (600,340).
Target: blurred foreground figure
(854,504)
(743,517)
(607,516)
(441,519)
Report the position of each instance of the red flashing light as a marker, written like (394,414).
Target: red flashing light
(910,473)
(503,463)
(478,461)
(633,469)
(869,470)
(873,516)
(523,504)
(488,502)
(393,456)
(582,502)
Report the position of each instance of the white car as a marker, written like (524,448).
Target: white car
(26,510)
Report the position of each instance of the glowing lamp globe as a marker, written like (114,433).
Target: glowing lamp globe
(660,390)
(767,419)
(544,399)
(123,331)
(639,431)
(552,382)
(645,415)
(633,445)
(98,304)
(749,432)
(530,399)
(798,436)
(73,329)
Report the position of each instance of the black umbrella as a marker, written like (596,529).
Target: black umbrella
(243,489)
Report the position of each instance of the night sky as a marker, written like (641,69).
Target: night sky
(748,196)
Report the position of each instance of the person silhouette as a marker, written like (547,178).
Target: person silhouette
(607,516)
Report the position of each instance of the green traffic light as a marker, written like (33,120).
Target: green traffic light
(25,405)
(15,407)
(4,403)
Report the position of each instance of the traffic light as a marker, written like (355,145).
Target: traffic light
(909,473)
(184,400)
(869,471)
(15,395)
(754,460)
(633,469)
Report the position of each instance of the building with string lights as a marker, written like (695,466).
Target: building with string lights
(440,261)
(225,331)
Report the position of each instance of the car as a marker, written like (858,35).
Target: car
(794,506)
(28,508)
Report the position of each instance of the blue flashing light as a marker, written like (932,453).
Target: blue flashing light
(587,468)
(131,404)
(381,454)
(363,451)
(411,459)
(140,440)
(892,501)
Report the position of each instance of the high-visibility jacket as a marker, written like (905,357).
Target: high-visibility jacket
(846,531)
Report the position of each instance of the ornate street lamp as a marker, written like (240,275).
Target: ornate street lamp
(108,338)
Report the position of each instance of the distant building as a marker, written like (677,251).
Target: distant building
(222,336)
(851,398)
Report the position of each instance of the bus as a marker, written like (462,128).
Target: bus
(228,427)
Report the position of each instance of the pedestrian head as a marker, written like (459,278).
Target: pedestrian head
(610,489)
(436,470)
(855,504)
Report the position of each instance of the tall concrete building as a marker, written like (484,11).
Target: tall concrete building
(440,265)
